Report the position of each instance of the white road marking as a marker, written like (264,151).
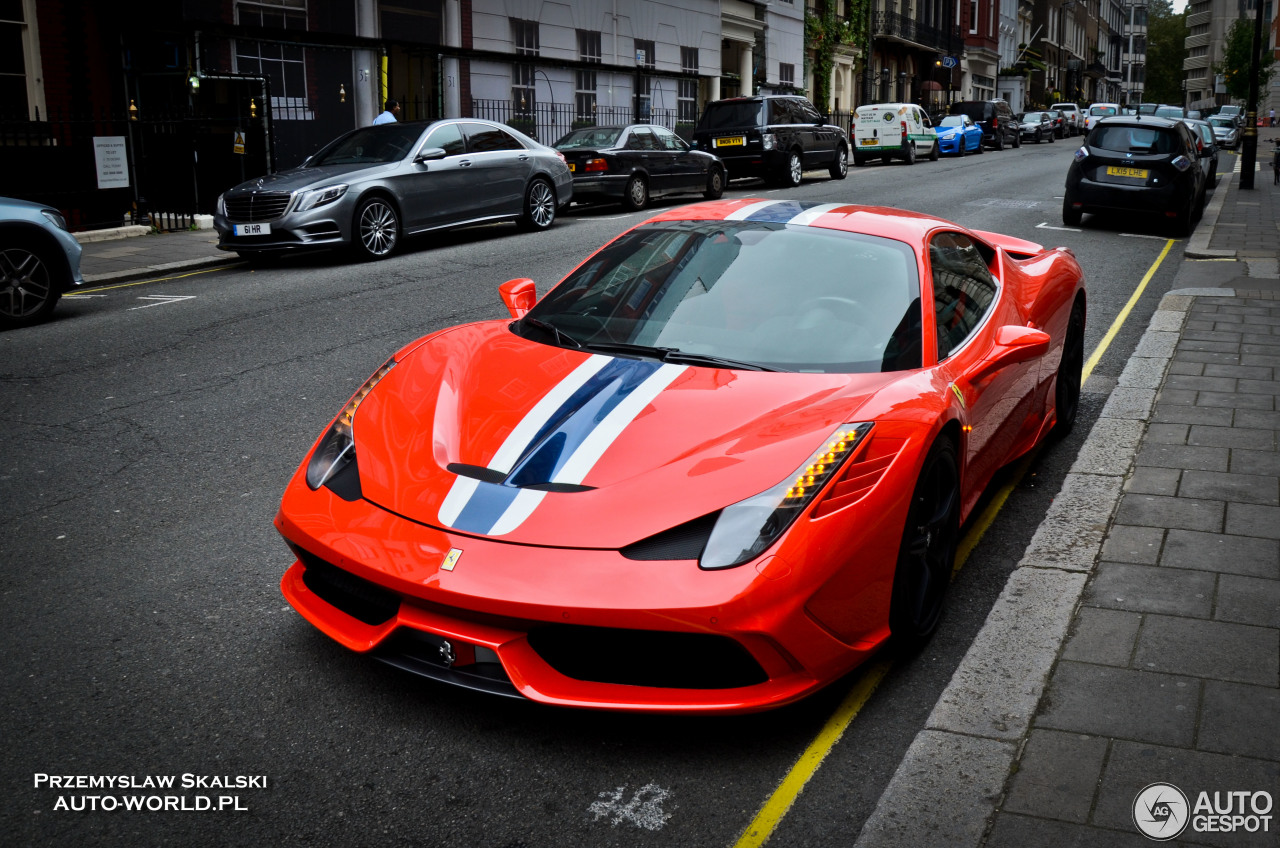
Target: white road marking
(162,299)
(1043,226)
(643,810)
(1141,235)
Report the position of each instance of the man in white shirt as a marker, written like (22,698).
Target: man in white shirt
(391,115)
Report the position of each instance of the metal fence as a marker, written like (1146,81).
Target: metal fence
(54,161)
(549,122)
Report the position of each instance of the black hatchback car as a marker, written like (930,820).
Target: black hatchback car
(777,137)
(1135,163)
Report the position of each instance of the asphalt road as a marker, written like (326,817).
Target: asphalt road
(151,430)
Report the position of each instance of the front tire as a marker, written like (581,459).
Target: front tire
(910,156)
(1070,372)
(934,153)
(636,195)
(999,141)
(927,555)
(963,146)
(539,206)
(981,149)
(840,167)
(28,286)
(715,184)
(377,229)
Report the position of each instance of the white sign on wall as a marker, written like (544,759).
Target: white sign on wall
(112,157)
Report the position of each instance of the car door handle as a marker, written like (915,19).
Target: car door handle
(465,163)
(524,157)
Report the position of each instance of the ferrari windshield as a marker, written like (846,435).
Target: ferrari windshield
(591,138)
(742,294)
(370,146)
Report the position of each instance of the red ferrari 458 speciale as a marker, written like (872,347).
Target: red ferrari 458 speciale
(714,469)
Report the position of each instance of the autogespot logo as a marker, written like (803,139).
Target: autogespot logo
(1160,811)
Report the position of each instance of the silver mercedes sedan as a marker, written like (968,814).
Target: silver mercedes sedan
(372,187)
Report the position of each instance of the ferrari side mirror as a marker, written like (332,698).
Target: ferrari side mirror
(1013,344)
(519,295)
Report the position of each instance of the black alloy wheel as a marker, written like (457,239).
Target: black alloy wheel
(981,148)
(636,194)
(27,289)
(1070,373)
(928,552)
(840,165)
(715,184)
(377,228)
(963,146)
(793,172)
(539,206)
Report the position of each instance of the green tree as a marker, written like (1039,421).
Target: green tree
(1236,61)
(824,31)
(1166,50)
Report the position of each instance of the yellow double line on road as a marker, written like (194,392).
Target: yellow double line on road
(776,808)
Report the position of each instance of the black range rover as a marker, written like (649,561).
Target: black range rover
(777,137)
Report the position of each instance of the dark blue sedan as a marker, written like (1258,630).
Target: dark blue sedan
(958,135)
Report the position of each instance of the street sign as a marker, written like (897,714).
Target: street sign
(950,61)
(238,146)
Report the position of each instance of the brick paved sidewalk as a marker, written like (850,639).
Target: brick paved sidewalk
(1171,671)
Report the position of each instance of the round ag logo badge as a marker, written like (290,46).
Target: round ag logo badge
(1161,812)
(888,117)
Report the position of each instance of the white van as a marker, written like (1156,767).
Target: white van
(892,131)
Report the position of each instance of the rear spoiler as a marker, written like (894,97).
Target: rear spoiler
(1015,247)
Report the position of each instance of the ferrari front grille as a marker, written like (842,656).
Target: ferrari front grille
(255,207)
(357,597)
(646,657)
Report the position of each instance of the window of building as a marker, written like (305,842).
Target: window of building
(524,98)
(524,35)
(687,89)
(973,17)
(584,95)
(284,64)
(787,74)
(588,45)
(20,93)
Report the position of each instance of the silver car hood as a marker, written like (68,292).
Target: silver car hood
(304,178)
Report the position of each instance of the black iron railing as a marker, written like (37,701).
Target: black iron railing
(894,25)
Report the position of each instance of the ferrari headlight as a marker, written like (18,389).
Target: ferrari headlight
(320,197)
(744,530)
(338,447)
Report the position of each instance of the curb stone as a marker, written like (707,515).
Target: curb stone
(982,719)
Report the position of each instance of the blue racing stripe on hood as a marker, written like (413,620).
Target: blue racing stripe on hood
(574,421)
(780,212)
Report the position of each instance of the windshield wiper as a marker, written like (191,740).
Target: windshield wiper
(677,356)
(555,332)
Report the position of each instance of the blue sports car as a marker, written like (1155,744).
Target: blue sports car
(958,134)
